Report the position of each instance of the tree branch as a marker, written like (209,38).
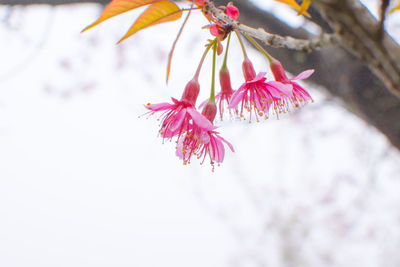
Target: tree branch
(274,40)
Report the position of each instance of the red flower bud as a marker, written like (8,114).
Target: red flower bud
(225,81)
(278,71)
(232,11)
(200,2)
(210,111)
(191,92)
(248,70)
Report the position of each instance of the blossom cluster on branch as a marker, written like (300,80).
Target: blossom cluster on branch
(258,97)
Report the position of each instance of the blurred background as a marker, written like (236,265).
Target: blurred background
(86,181)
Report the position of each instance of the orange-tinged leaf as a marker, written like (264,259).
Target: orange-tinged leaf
(160,12)
(397,7)
(296,6)
(304,6)
(117,7)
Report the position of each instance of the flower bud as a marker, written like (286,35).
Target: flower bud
(191,92)
(232,11)
(225,81)
(248,70)
(200,2)
(278,71)
(210,111)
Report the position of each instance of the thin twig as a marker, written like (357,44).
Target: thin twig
(271,39)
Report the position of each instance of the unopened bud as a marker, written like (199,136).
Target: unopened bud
(278,71)
(191,92)
(210,111)
(225,81)
(248,70)
(232,11)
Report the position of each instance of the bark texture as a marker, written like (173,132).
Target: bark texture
(362,69)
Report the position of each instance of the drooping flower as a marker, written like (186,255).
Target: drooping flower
(300,95)
(224,97)
(257,96)
(200,141)
(180,116)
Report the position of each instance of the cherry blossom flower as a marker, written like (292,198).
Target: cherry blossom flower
(300,95)
(200,141)
(257,96)
(180,116)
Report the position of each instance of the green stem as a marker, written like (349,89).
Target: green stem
(241,45)
(226,52)
(212,96)
(259,47)
(196,75)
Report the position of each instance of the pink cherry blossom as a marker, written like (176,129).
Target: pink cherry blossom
(200,141)
(178,117)
(300,95)
(257,96)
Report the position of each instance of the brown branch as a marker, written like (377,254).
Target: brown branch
(359,33)
(274,40)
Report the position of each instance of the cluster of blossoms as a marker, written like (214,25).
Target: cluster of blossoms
(194,132)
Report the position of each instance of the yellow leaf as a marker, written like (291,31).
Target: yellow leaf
(117,7)
(304,6)
(296,6)
(160,12)
(397,7)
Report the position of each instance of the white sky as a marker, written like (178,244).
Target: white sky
(85,182)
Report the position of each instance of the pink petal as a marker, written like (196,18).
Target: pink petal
(200,120)
(179,148)
(229,144)
(177,121)
(304,75)
(204,137)
(226,142)
(220,151)
(236,98)
(176,101)
(278,89)
(260,77)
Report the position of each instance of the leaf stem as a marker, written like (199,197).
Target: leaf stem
(208,47)
(226,52)
(259,47)
(241,45)
(212,96)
